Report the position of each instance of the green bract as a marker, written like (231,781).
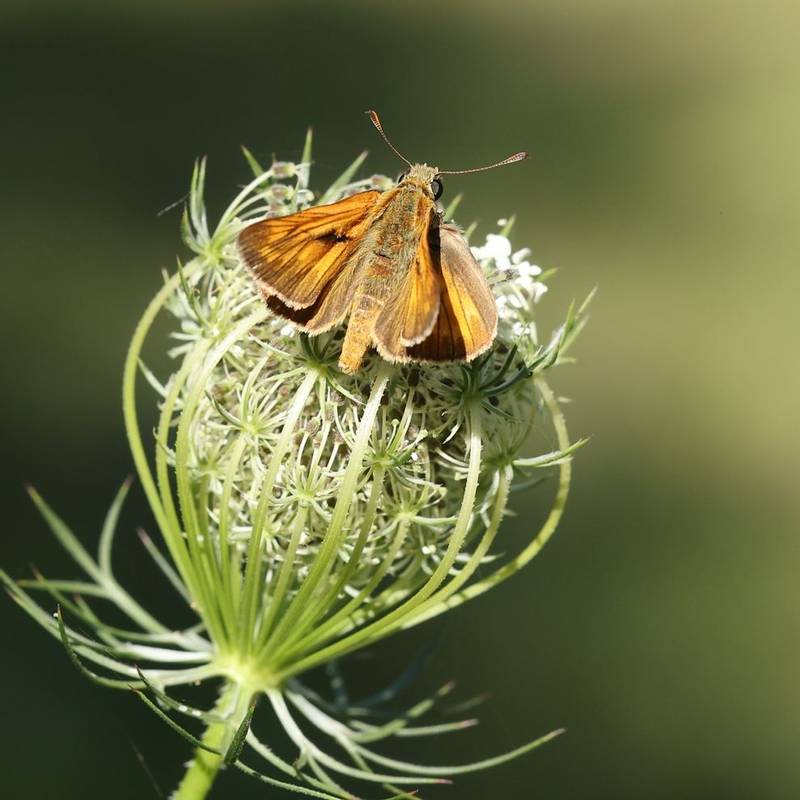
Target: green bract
(308,513)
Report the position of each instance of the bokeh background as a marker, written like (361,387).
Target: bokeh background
(660,626)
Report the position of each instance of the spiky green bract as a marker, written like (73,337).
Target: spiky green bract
(307,513)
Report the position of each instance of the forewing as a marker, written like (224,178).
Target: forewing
(467,320)
(410,317)
(330,307)
(295,257)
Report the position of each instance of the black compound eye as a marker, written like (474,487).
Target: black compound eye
(437,187)
(401,177)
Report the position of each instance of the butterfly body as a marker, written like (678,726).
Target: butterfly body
(408,281)
(385,257)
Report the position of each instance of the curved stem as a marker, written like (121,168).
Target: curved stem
(544,533)
(440,598)
(251,591)
(334,624)
(173,540)
(208,580)
(233,706)
(315,580)
(295,663)
(228,565)
(285,575)
(325,603)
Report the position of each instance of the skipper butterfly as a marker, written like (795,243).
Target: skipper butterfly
(388,261)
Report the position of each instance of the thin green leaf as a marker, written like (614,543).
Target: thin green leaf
(453,205)
(435,730)
(150,377)
(307,746)
(290,787)
(67,538)
(475,766)
(193,740)
(506,229)
(326,780)
(304,173)
(285,767)
(112,683)
(209,717)
(306,157)
(164,565)
(237,742)
(344,178)
(400,794)
(552,458)
(110,526)
(187,639)
(75,587)
(255,166)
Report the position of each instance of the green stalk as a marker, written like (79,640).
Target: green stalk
(542,536)
(190,576)
(285,575)
(325,602)
(465,573)
(233,705)
(251,591)
(204,564)
(230,569)
(172,539)
(332,626)
(293,664)
(330,544)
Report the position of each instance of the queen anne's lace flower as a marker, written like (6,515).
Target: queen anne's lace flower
(309,513)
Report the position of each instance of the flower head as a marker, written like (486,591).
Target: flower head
(308,513)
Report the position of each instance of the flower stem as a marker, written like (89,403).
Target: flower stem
(305,600)
(233,705)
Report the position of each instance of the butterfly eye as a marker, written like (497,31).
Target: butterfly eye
(401,177)
(436,188)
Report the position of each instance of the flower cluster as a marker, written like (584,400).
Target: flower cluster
(419,448)
(308,513)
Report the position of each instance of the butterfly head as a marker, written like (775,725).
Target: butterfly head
(429,179)
(425,178)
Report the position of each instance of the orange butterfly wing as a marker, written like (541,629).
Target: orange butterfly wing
(298,260)
(329,309)
(467,321)
(410,317)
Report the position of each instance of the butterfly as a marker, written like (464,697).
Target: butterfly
(388,261)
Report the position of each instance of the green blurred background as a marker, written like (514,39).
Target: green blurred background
(660,626)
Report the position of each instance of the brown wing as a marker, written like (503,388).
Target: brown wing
(467,321)
(409,317)
(295,257)
(329,309)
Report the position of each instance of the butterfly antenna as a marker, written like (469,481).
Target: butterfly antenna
(376,121)
(510,160)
